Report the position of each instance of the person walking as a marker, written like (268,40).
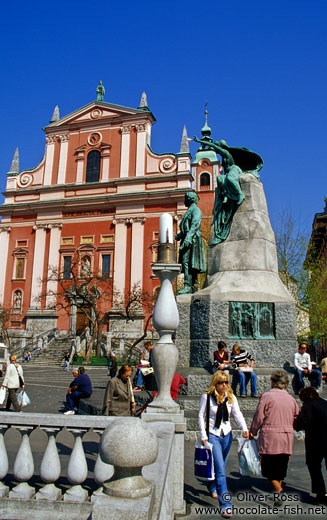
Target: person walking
(274,419)
(13,380)
(65,366)
(118,398)
(81,386)
(216,406)
(313,420)
(112,365)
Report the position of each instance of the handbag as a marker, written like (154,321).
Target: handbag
(248,458)
(204,468)
(3,391)
(23,399)
(21,380)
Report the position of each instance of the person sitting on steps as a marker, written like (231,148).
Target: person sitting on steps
(244,360)
(303,367)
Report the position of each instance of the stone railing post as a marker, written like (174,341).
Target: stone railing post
(23,466)
(50,468)
(4,465)
(77,469)
(102,471)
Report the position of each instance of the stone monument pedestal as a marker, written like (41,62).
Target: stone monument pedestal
(244,301)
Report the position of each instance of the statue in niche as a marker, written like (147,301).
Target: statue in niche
(229,196)
(191,250)
(17,300)
(100,91)
(86,266)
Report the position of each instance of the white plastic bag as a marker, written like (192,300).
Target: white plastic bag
(23,399)
(248,458)
(3,391)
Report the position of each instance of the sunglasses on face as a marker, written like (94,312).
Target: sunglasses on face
(222,383)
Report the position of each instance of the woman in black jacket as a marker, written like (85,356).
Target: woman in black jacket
(313,420)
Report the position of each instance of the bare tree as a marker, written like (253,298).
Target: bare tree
(292,246)
(94,295)
(5,314)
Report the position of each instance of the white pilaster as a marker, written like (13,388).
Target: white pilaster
(125,142)
(120,256)
(140,149)
(53,262)
(105,165)
(63,158)
(49,159)
(4,243)
(38,262)
(215,173)
(137,252)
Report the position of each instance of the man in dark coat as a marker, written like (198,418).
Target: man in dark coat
(81,386)
(313,420)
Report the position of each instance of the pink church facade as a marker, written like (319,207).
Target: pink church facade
(98,193)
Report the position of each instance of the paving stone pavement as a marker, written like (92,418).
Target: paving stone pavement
(46,388)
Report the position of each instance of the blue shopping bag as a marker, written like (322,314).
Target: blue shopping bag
(204,468)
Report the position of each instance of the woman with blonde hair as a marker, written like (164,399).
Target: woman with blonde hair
(13,380)
(216,405)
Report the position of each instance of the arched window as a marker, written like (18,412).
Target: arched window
(204,179)
(93,166)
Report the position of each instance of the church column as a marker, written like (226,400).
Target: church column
(38,262)
(120,255)
(63,158)
(53,262)
(124,158)
(50,140)
(4,243)
(140,149)
(137,251)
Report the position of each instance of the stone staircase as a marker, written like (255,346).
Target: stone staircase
(52,355)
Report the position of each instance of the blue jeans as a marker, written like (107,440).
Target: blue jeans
(139,379)
(314,378)
(244,381)
(72,400)
(220,450)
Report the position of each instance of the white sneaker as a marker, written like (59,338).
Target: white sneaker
(69,412)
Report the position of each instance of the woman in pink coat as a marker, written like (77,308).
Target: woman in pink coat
(274,419)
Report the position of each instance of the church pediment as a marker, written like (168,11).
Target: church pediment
(96,111)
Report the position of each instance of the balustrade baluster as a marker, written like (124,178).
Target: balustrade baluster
(102,470)
(23,466)
(77,469)
(50,468)
(4,465)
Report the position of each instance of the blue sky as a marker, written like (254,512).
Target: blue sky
(261,65)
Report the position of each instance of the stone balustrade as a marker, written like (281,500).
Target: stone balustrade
(32,464)
(50,468)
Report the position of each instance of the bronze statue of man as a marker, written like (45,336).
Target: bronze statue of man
(229,196)
(191,250)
